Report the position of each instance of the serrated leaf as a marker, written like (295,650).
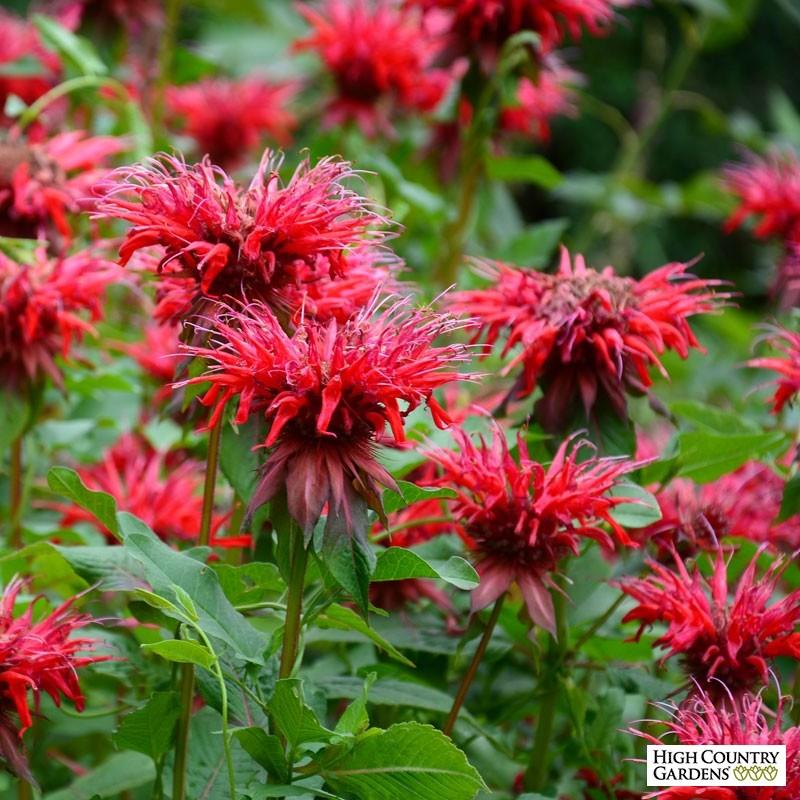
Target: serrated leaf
(182,652)
(349,557)
(265,749)
(355,718)
(73,48)
(399,563)
(149,729)
(68,483)
(409,493)
(293,716)
(407,760)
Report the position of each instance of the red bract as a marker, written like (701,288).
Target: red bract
(521,518)
(228,119)
(41,305)
(730,639)
(786,365)
(41,182)
(485,25)
(550,95)
(380,58)
(328,392)
(705,720)
(587,336)
(36,657)
(222,241)
(163,489)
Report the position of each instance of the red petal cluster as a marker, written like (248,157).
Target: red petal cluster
(786,365)
(222,241)
(229,118)
(736,720)
(41,182)
(40,311)
(36,657)
(380,57)
(730,639)
(162,489)
(328,392)
(585,335)
(521,518)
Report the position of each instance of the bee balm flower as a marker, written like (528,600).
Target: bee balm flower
(786,365)
(584,335)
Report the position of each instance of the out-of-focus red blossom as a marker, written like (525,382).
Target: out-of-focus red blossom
(220,241)
(380,57)
(538,102)
(20,40)
(228,119)
(708,719)
(745,503)
(521,519)
(328,392)
(587,336)
(36,657)
(786,365)
(44,307)
(163,489)
(157,352)
(482,27)
(728,639)
(43,181)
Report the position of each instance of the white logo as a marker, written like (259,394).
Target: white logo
(716,765)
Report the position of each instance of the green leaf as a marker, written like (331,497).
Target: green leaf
(409,493)
(119,773)
(706,456)
(265,749)
(534,246)
(790,503)
(293,717)
(75,49)
(237,460)
(349,558)
(345,619)
(111,567)
(149,729)
(399,563)
(388,692)
(641,512)
(355,718)
(712,419)
(14,414)
(182,652)
(68,483)
(296,789)
(524,169)
(407,760)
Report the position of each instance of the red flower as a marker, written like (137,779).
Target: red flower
(228,118)
(728,639)
(19,40)
(37,657)
(162,489)
(41,182)
(157,352)
(551,95)
(486,25)
(41,307)
(786,365)
(380,58)
(328,392)
(521,518)
(221,241)
(587,335)
(735,720)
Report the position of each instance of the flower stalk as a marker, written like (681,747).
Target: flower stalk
(294,602)
(15,495)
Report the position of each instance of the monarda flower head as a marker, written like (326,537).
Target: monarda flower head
(328,393)
(220,241)
(380,58)
(731,639)
(45,306)
(37,657)
(785,363)
(521,518)
(727,719)
(162,489)
(228,119)
(42,182)
(585,336)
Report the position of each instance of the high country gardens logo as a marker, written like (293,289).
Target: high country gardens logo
(716,765)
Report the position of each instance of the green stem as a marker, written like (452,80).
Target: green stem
(186,673)
(212,461)
(15,497)
(538,767)
(472,670)
(24,790)
(294,601)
